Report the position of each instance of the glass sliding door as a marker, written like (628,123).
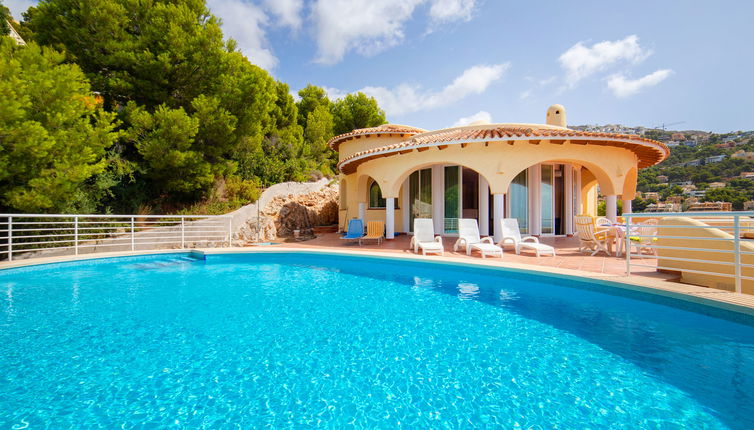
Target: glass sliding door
(452,198)
(547,194)
(420,195)
(518,196)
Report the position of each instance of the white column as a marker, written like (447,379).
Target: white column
(627,206)
(611,207)
(577,179)
(389,217)
(498,203)
(484,206)
(535,200)
(568,198)
(406,205)
(362,211)
(438,198)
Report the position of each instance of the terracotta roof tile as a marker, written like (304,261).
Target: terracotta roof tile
(335,142)
(648,155)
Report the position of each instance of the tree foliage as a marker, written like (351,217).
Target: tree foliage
(194,116)
(356,111)
(53,134)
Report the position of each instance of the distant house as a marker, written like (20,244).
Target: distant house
(663,207)
(694,163)
(714,159)
(711,207)
(652,196)
(690,143)
(743,155)
(727,144)
(747,175)
(673,143)
(662,179)
(749,206)
(677,136)
(697,193)
(717,185)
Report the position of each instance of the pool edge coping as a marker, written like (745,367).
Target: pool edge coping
(694,294)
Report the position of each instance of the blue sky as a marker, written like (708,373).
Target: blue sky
(432,63)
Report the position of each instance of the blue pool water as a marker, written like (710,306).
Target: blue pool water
(304,340)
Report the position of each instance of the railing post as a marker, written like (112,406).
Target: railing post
(133,238)
(627,244)
(737,250)
(183,229)
(76,235)
(10,238)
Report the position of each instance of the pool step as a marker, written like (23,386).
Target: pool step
(169,262)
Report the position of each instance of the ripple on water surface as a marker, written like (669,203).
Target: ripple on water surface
(304,340)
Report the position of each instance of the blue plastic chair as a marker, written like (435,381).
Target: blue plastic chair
(355,230)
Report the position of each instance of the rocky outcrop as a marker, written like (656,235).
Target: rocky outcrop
(279,215)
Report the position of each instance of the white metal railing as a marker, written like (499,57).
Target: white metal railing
(57,234)
(712,249)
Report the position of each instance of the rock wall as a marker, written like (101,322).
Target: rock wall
(283,213)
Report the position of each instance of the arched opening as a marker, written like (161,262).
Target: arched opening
(375,200)
(444,193)
(546,196)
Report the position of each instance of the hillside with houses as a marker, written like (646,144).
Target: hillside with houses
(705,171)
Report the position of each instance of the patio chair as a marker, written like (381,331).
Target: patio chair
(355,230)
(644,236)
(512,235)
(468,237)
(375,231)
(588,237)
(601,223)
(424,237)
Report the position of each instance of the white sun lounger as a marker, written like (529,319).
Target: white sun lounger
(424,237)
(512,235)
(468,237)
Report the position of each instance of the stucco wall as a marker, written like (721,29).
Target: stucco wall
(711,253)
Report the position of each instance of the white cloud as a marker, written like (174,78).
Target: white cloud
(369,27)
(244,22)
(288,12)
(17,7)
(581,61)
(482,116)
(407,98)
(335,93)
(451,10)
(624,87)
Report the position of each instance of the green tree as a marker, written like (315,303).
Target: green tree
(165,139)
(318,130)
(5,18)
(356,111)
(151,52)
(736,197)
(312,97)
(53,134)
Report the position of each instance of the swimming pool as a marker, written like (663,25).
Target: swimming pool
(304,339)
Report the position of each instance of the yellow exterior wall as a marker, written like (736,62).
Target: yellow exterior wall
(500,162)
(588,193)
(614,169)
(364,143)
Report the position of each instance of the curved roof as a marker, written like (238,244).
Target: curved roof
(649,152)
(403,130)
